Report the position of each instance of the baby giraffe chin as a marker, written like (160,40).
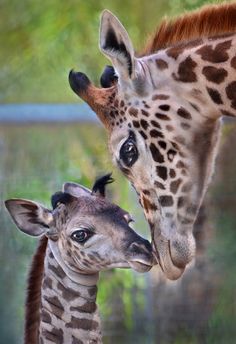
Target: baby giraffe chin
(82,235)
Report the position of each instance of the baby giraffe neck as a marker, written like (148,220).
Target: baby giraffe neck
(68,311)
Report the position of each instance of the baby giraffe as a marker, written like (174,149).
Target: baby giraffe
(82,235)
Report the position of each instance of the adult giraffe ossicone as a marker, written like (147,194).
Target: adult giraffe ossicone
(162,112)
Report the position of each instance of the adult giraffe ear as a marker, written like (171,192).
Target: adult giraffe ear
(116,45)
(30,217)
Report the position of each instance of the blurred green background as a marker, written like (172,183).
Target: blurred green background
(40,42)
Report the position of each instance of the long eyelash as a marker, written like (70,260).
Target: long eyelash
(100,184)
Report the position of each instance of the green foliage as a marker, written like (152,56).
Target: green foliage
(43,40)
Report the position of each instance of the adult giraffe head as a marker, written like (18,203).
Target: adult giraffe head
(161,110)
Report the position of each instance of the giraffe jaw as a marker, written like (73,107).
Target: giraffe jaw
(174,254)
(164,258)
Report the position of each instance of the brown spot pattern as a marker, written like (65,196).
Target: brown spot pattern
(136,124)
(82,323)
(157,156)
(164,107)
(155,124)
(160,97)
(87,307)
(55,335)
(133,112)
(162,116)
(46,317)
(172,173)
(156,133)
(144,124)
(174,186)
(217,54)
(231,93)
(159,185)
(215,95)
(213,74)
(161,64)
(162,144)
(233,62)
(57,271)
(227,113)
(143,134)
(166,201)
(145,113)
(68,294)
(55,305)
(186,71)
(162,172)
(182,112)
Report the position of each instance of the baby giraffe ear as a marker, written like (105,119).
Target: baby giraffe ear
(75,189)
(30,217)
(116,45)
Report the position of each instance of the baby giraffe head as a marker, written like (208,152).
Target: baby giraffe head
(86,232)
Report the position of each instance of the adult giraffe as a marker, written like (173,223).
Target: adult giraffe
(162,112)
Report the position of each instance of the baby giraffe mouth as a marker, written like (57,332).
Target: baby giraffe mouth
(140,265)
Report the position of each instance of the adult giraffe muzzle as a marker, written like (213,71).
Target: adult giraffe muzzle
(162,113)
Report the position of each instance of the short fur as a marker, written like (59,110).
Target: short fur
(209,21)
(32,306)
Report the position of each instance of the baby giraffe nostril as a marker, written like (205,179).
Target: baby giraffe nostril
(144,248)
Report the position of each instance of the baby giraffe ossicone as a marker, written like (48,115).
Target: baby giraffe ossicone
(82,235)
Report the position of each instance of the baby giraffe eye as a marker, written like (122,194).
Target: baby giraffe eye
(81,235)
(129,152)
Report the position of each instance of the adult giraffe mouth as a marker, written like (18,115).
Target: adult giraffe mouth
(163,253)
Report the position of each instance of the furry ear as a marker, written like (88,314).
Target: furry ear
(30,217)
(100,185)
(75,189)
(61,197)
(116,45)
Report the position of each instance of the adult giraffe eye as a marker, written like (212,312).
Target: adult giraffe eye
(81,235)
(128,153)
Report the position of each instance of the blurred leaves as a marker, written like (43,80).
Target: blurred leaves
(42,41)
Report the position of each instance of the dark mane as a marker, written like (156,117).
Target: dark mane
(211,20)
(32,305)
(100,184)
